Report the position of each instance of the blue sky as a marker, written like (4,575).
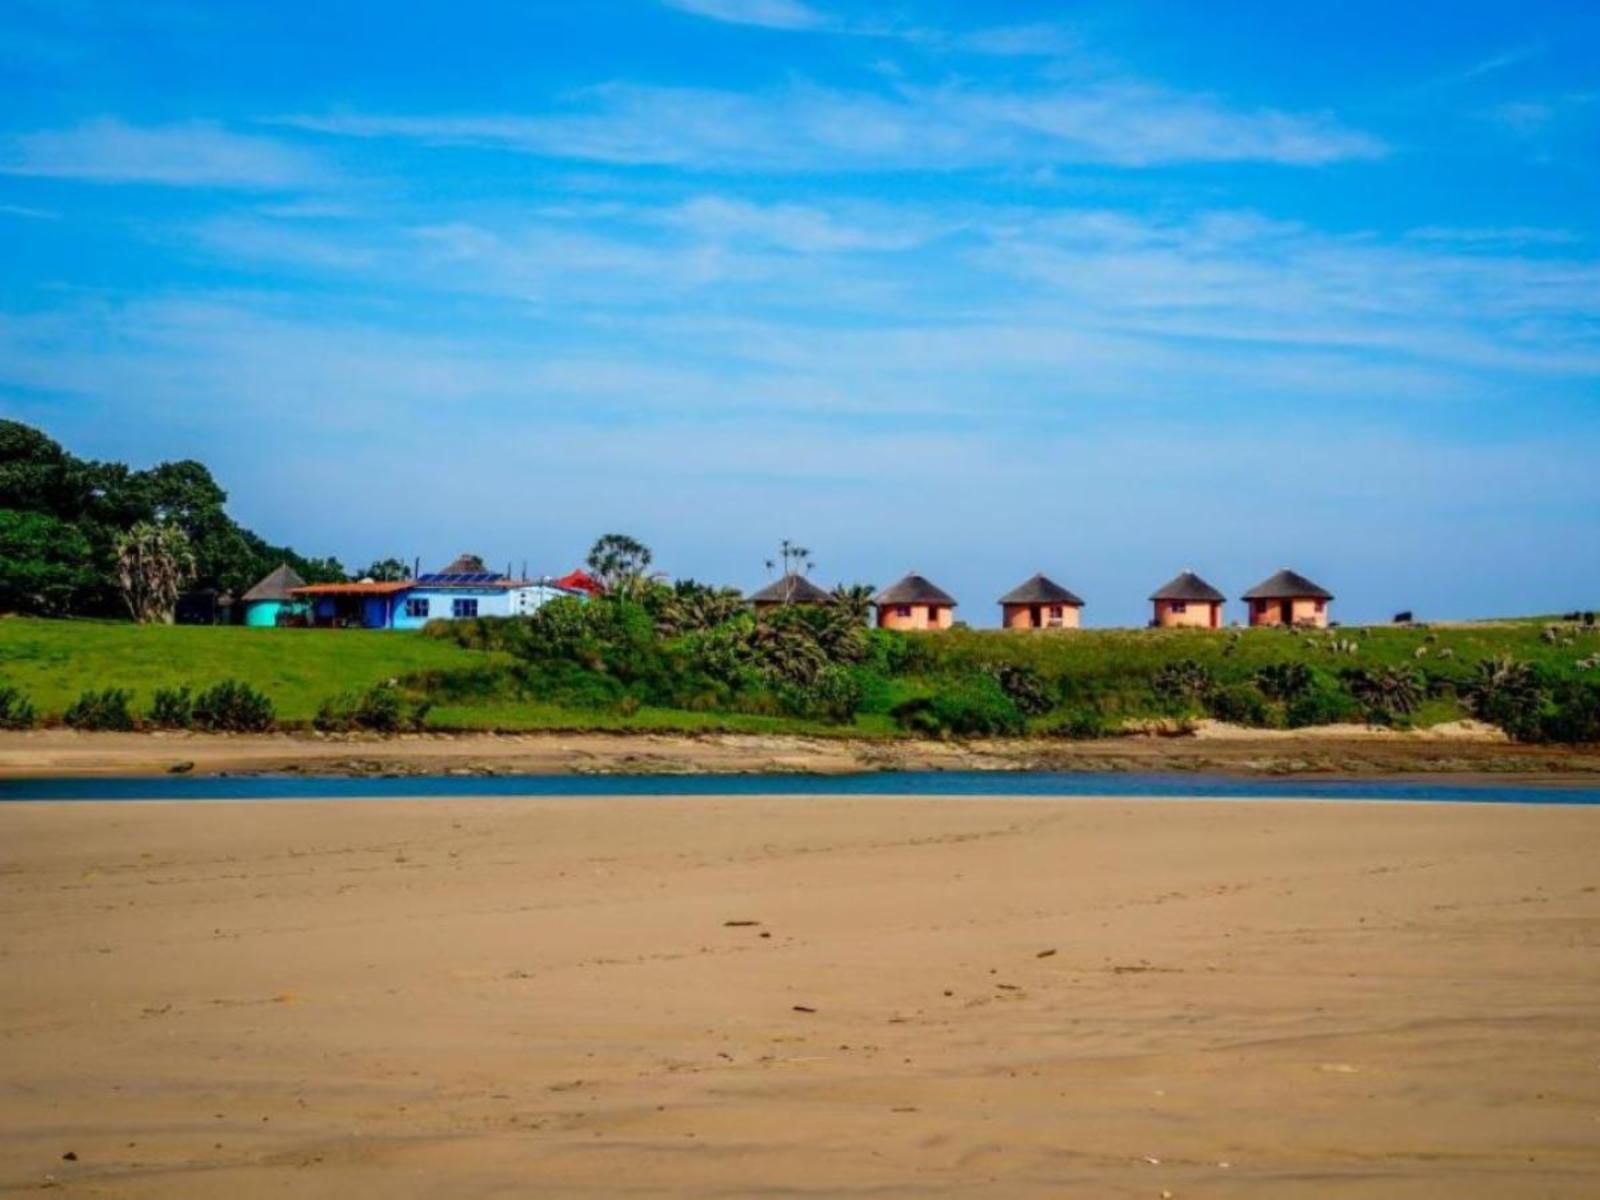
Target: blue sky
(1101,289)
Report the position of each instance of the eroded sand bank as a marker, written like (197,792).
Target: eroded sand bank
(799,997)
(1463,748)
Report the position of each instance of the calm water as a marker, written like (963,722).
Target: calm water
(888,783)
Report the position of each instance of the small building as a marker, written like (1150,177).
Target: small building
(1187,602)
(1040,603)
(580,581)
(791,589)
(441,595)
(273,598)
(914,603)
(1288,598)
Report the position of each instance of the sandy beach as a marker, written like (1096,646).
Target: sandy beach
(799,997)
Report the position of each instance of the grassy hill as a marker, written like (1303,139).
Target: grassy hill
(1086,682)
(52,662)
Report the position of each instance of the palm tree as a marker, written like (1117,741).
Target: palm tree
(853,602)
(154,564)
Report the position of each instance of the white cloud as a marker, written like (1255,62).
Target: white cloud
(191,154)
(805,127)
(769,14)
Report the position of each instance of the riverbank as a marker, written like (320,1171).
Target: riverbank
(890,997)
(1214,749)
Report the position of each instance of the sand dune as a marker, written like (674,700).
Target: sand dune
(799,997)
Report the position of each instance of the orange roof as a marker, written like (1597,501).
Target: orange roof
(351,589)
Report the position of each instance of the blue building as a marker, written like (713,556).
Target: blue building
(444,595)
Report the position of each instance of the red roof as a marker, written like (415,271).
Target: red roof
(581,581)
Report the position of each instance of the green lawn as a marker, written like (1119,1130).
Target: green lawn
(54,661)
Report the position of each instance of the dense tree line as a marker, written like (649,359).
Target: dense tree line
(61,518)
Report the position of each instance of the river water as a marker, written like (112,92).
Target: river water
(887,783)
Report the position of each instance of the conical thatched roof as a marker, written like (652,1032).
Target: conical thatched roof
(1287,585)
(791,589)
(465,564)
(276,586)
(1041,589)
(914,589)
(1187,586)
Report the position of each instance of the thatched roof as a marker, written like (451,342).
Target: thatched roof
(1287,585)
(791,589)
(464,564)
(276,586)
(1187,586)
(1040,590)
(914,589)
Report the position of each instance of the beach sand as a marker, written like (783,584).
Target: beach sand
(799,997)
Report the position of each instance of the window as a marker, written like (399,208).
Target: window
(1179,606)
(417,610)
(933,614)
(463,608)
(902,610)
(1322,606)
(1055,612)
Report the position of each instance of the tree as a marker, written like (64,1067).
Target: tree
(45,564)
(796,560)
(853,602)
(154,563)
(387,570)
(620,563)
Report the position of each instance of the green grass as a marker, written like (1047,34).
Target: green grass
(510,716)
(54,661)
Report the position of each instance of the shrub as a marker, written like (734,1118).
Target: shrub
(1320,706)
(103,710)
(16,710)
(834,695)
(1183,684)
(974,707)
(233,707)
(1509,693)
(172,708)
(381,709)
(1240,704)
(1385,694)
(1025,686)
(1285,681)
(1574,713)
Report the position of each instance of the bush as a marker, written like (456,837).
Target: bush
(233,707)
(1573,715)
(381,709)
(16,710)
(1509,694)
(1284,682)
(1025,686)
(1183,684)
(834,695)
(1320,706)
(1240,704)
(172,708)
(105,710)
(1385,694)
(974,707)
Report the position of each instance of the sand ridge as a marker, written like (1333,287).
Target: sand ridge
(799,997)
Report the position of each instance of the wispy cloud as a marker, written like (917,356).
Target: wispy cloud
(190,154)
(32,214)
(805,127)
(769,14)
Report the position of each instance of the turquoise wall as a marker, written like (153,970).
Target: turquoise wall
(263,614)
